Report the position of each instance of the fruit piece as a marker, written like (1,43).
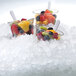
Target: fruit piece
(30,26)
(51,36)
(55,35)
(39,35)
(23,19)
(20,30)
(14,29)
(55,15)
(42,18)
(51,11)
(50,28)
(47,11)
(53,31)
(42,27)
(50,18)
(42,12)
(58,37)
(30,30)
(46,37)
(44,33)
(50,33)
(45,22)
(38,22)
(38,18)
(40,31)
(24,25)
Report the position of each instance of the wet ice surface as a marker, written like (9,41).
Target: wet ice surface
(26,56)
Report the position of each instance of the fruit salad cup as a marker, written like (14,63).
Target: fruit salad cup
(23,26)
(43,31)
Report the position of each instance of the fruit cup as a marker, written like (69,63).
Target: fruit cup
(44,18)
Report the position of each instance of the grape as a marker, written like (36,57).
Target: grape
(50,33)
(42,12)
(46,37)
(30,26)
(55,15)
(50,28)
(38,18)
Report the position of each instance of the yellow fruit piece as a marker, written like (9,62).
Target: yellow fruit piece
(51,31)
(38,22)
(45,22)
(24,25)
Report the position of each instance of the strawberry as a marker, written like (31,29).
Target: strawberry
(42,18)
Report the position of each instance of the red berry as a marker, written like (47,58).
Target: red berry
(14,29)
(39,35)
(42,18)
(23,19)
(55,35)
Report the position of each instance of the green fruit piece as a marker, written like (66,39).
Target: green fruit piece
(44,33)
(42,27)
(50,36)
(51,11)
